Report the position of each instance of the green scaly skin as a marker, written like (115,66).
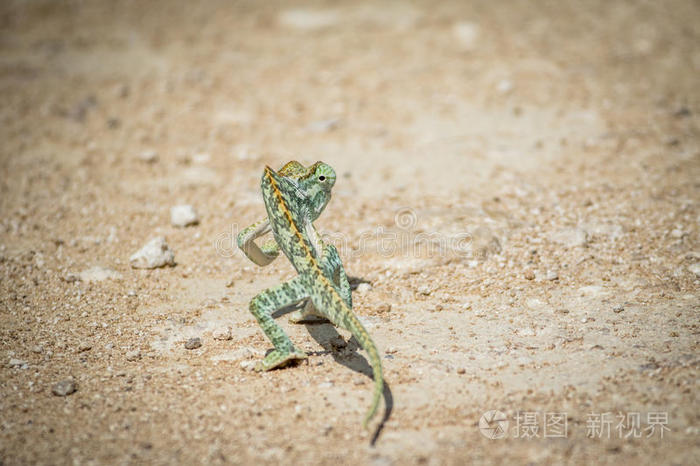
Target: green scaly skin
(294,197)
(319,197)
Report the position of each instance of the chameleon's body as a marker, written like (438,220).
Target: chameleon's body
(295,197)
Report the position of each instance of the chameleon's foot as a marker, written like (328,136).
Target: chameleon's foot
(278,358)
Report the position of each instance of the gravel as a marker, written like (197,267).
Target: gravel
(64,387)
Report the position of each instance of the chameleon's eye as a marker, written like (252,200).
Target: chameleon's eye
(321,178)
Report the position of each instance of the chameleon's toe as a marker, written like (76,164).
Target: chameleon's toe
(278,358)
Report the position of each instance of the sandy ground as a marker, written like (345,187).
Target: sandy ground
(518,187)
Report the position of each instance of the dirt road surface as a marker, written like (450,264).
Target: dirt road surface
(517,203)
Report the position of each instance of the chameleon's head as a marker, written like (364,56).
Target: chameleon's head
(317,184)
(324,175)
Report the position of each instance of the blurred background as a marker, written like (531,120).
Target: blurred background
(562,136)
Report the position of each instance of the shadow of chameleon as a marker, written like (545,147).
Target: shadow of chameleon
(345,353)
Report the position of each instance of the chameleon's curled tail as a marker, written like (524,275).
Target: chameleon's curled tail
(361,335)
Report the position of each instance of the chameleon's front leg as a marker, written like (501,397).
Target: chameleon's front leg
(246,243)
(262,306)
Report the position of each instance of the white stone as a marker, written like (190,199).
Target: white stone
(156,253)
(183,215)
(363,288)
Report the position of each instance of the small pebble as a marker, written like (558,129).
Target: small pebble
(384,307)
(248,365)
(324,126)
(677,233)
(84,347)
(18,363)
(529,275)
(504,86)
(156,253)
(682,112)
(552,275)
(148,156)
(64,387)
(133,355)
(363,288)
(201,158)
(222,333)
(183,216)
(465,35)
(193,343)
(461,370)
(618,309)
(570,237)
(695,268)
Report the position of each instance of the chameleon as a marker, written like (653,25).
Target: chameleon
(294,198)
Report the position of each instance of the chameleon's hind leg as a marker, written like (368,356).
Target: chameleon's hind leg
(262,306)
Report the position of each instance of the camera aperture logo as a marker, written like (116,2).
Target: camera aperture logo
(493,425)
